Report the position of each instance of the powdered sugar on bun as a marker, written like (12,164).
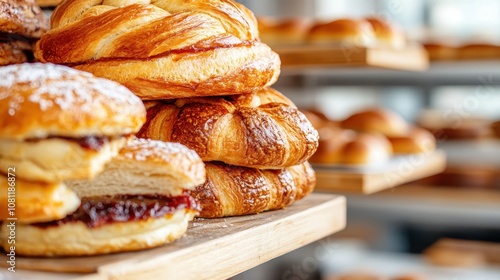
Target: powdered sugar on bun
(39,100)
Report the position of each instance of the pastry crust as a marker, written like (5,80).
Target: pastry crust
(146,167)
(56,159)
(76,239)
(164,49)
(36,202)
(259,130)
(22,17)
(233,190)
(42,100)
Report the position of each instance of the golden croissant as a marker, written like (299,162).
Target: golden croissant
(260,130)
(162,49)
(233,190)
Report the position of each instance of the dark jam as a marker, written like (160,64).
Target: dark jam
(92,143)
(98,211)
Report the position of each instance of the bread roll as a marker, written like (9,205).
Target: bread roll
(259,130)
(387,34)
(367,148)
(81,120)
(283,32)
(233,190)
(377,120)
(164,49)
(417,141)
(332,141)
(33,201)
(348,32)
(146,167)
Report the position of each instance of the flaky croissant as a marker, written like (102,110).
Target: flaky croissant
(162,49)
(259,130)
(233,191)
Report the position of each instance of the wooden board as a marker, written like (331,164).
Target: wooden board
(410,58)
(212,248)
(398,171)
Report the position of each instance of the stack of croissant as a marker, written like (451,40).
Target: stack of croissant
(204,77)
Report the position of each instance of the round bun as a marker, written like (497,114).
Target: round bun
(56,159)
(387,34)
(287,31)
(367,148)
(174,167)
(76,239)
(37,202)
(42,100)
(345,31)
(332,141)
(418,140)
(377,120)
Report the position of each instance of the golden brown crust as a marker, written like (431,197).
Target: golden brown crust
(22,17)
(367,148)
(440,51)
(41,100)
(332,140)
(233,191)
(164,50)
(9,54)
(287,31)
(76,239)
(418,140)
(479,51)
(376,120)
(35,202)
(387,34)
(256,130)
(345,31)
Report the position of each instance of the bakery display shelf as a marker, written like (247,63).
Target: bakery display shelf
(371,179)
(211,249)
(413,57)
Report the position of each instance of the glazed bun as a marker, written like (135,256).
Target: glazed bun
(36,202)
(387,34)
(377,120)
(332,141)
(76,238)
(45,100)
(146,167)
(418,140)
(343,31)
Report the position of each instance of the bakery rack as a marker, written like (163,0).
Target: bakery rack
(412,57)
(371,179)
(211,248)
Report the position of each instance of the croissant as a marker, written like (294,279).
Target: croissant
(260,130)
(162,49)
(233,191)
